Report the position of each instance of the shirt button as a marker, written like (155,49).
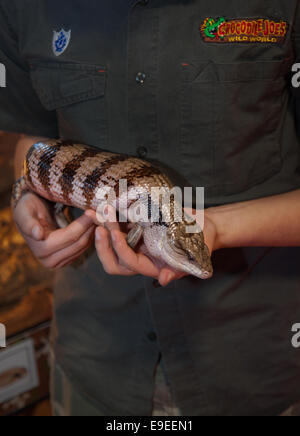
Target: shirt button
(142,152)
(140,78)
(152,336)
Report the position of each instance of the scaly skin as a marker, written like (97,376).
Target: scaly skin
(79,176)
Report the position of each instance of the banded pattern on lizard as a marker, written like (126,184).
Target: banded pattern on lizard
(73,175)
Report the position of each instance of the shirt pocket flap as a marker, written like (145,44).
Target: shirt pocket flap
(61,85)
(199,72)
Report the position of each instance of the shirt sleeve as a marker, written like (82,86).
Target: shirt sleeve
(20,109)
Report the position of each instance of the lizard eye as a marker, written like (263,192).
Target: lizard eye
(191,258)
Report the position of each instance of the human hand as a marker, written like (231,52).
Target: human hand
(118,258)
(54,248)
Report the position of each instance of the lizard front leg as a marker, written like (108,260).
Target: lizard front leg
(135,235)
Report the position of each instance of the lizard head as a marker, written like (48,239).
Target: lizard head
(173,244)
(185,252)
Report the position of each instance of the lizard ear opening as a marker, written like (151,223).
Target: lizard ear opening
(190,257)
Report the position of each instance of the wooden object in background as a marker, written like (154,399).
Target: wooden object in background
(39,336)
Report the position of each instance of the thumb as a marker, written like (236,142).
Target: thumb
(32,227)
(37,232)
(28,219)
(167,276)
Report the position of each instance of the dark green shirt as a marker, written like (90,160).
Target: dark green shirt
(204,88)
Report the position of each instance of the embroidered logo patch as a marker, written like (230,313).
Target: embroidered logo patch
(261,30)
(61,41)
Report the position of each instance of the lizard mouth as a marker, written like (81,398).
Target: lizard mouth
(180,261)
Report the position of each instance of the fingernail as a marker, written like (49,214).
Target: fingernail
(169,277)
(36,232)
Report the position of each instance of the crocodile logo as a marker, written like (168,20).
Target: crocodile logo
(259,30)
(211,27)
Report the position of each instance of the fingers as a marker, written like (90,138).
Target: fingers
(67,262)
(167,276)
(52,247)
(27,217)
(110,225)
(93,216)
(72,252)
(136,262)
(64,238)
(115,255)
(107,255)
(37,231)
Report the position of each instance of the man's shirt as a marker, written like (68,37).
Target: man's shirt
(203,87)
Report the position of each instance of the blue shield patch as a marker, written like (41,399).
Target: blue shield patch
(61,41)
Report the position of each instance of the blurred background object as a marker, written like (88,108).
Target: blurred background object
(7,147)
(19,271)
(25,308)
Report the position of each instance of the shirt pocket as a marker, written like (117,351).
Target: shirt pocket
(77,93)
(231,119)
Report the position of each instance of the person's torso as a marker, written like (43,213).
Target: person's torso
(199,86)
